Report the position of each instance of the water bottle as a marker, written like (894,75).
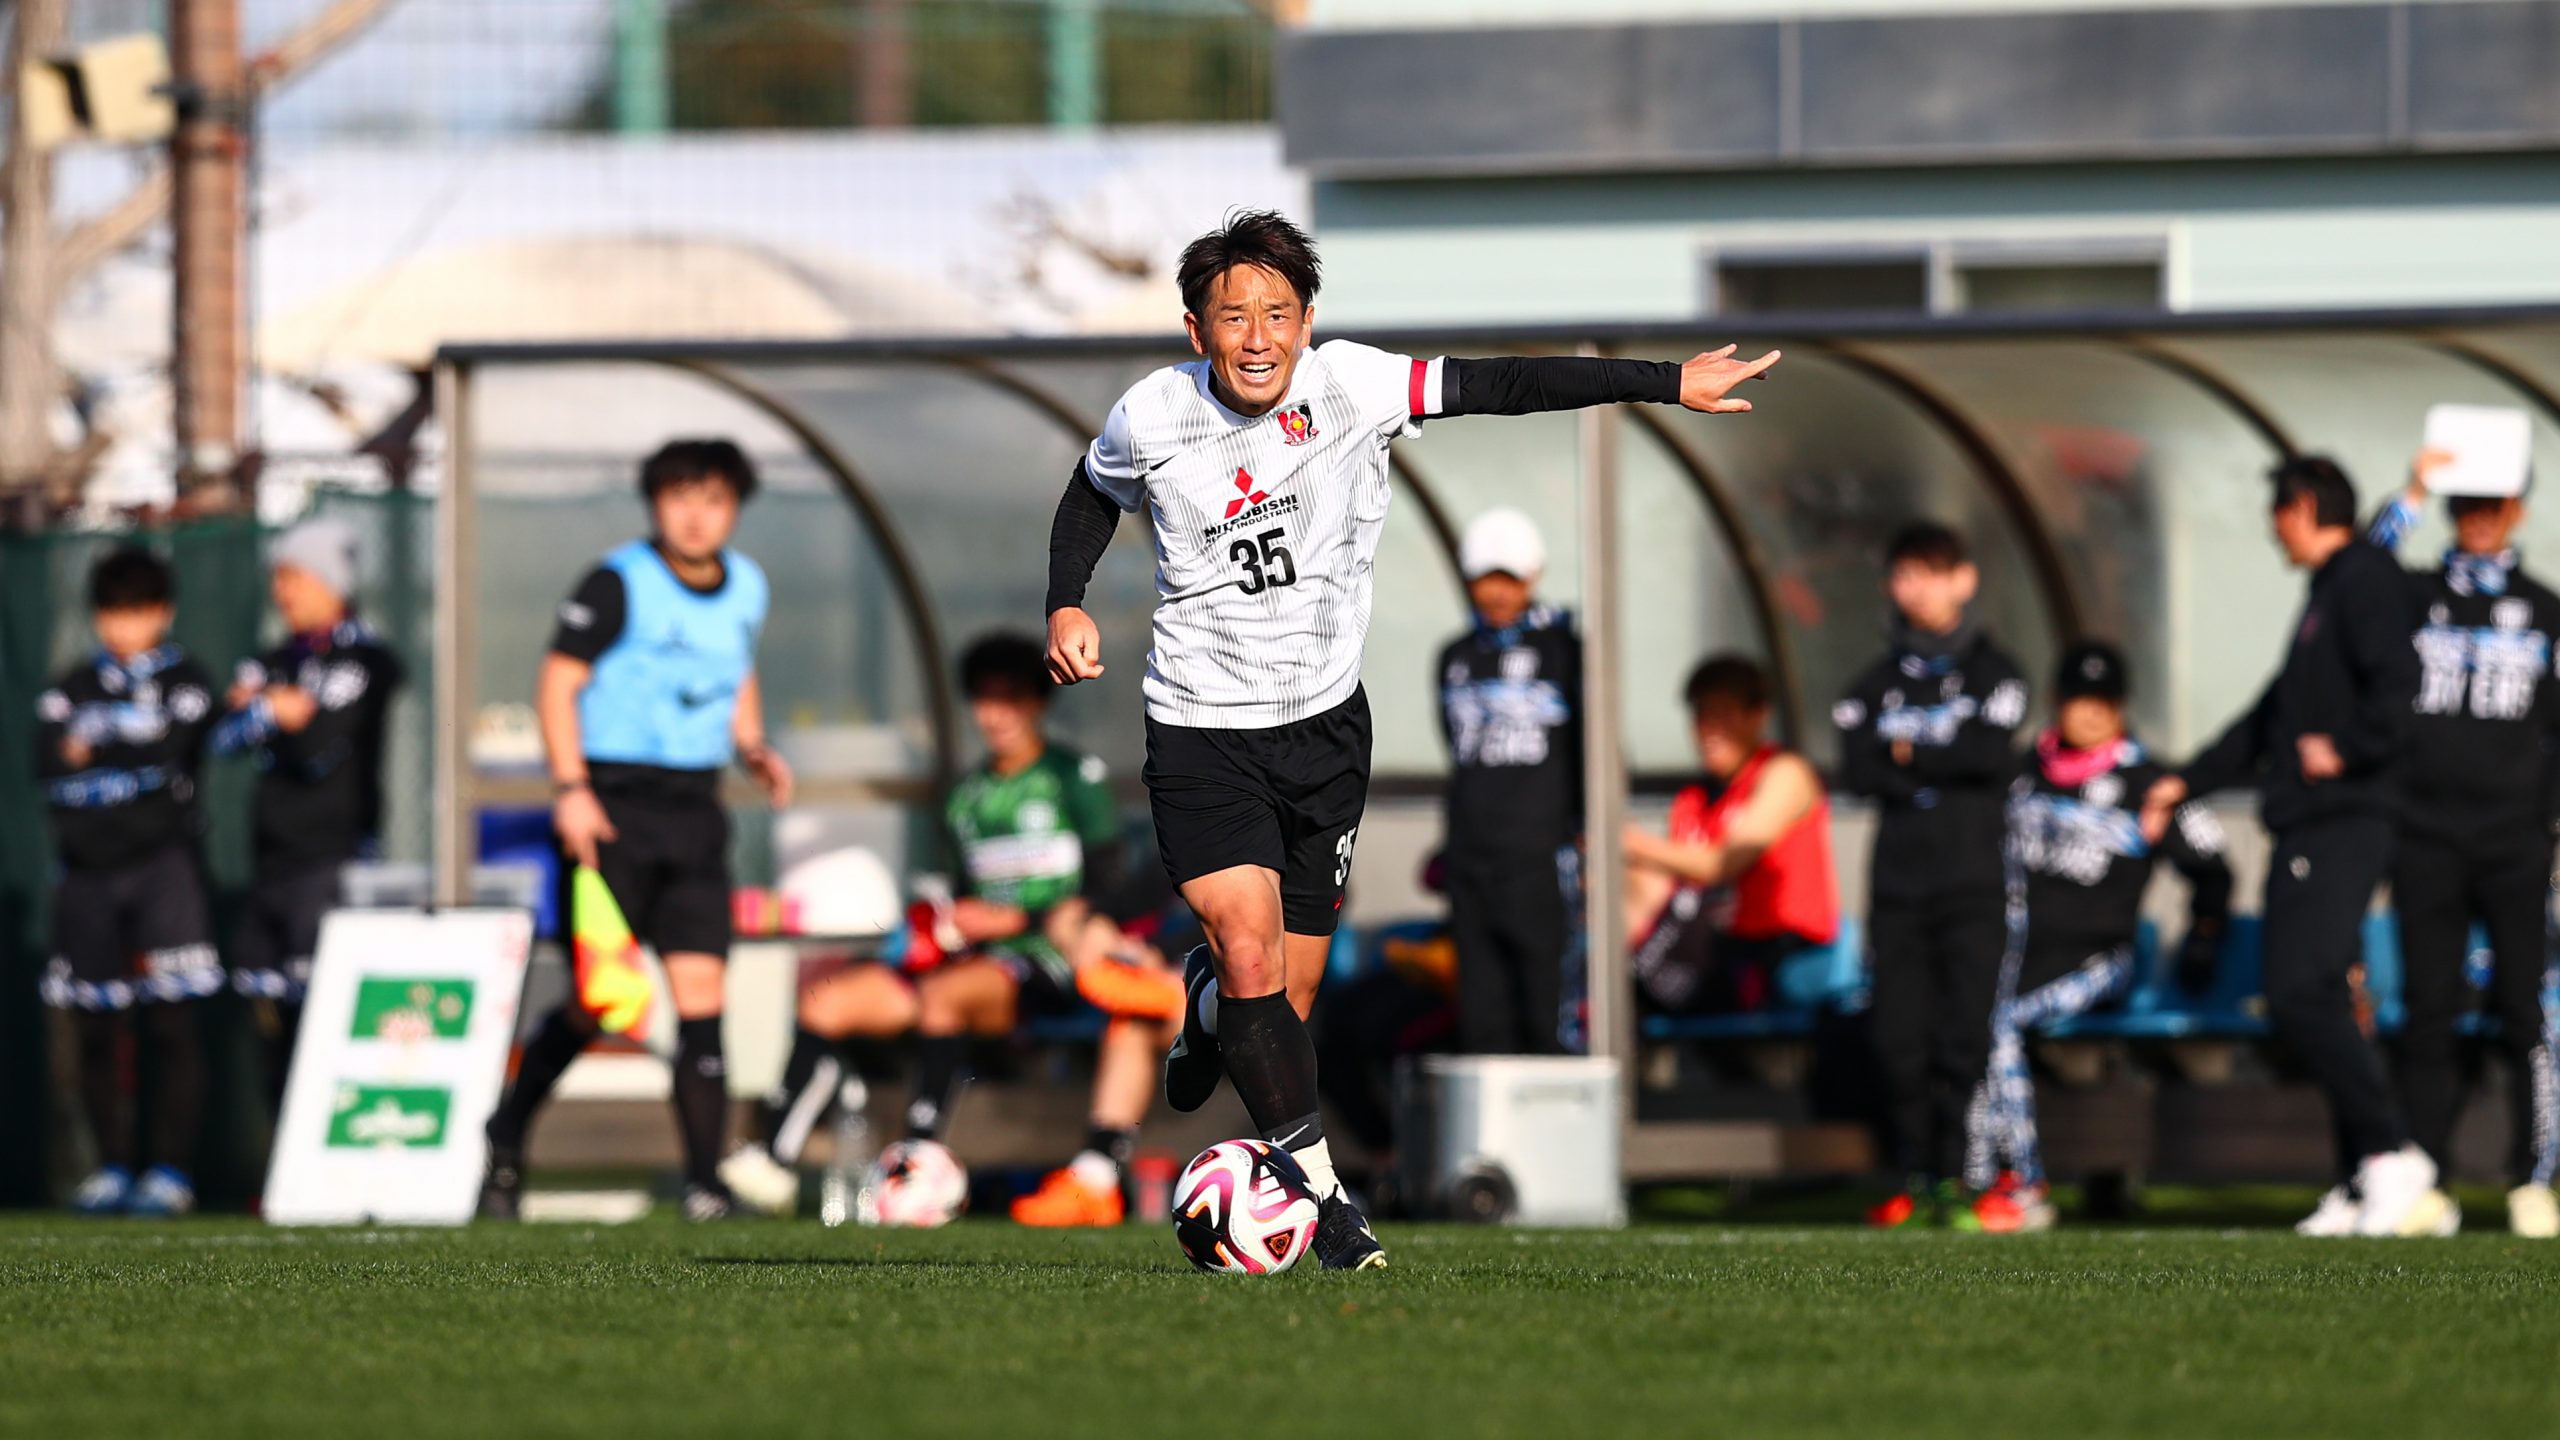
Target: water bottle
(840,1189)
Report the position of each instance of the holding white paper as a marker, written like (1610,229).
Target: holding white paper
(2490,446)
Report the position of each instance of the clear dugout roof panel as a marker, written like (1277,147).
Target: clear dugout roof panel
(2109,475)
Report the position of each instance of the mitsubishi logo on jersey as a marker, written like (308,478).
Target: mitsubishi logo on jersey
(1245,494)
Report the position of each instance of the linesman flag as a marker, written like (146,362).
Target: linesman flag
(613,985)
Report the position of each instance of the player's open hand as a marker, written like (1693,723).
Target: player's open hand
(2166,795)
(579,817)
(76,752)
(292,706)
(771,771)
(2320,758)
(980,921)
(1706,380)
(2424,469)
(1075,646)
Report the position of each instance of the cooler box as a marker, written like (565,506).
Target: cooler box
(1515,1139)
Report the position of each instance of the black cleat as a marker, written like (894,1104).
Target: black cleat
(1343,1239)
(502,1184)
(704,1204)
(1193,1067)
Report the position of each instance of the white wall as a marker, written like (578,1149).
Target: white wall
(2354,234)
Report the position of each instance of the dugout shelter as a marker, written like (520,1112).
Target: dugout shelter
(2107,469)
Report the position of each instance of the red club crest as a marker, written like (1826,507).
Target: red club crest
(1297,423)
(1245,494)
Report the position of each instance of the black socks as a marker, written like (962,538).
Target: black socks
(102,1064)
(1271,1060)
(546,1057)
(938,1060)
(176,1066)
(792,1110)
(701,1097)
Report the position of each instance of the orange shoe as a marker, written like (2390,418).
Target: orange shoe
(1999,1212)
(1129,990)
(1064,1200)
(1897,1211)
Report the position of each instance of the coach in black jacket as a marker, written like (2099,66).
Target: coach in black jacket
(2325,746)
(1511,709)
(1929,732)
(315,714)
(2476,832)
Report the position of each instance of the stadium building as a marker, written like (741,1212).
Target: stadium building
(2068,276)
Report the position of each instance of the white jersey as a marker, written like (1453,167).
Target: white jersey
(1266,528)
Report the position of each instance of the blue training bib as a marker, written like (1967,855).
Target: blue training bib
(666,691)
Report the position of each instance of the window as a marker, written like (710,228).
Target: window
(2099,274)
(1813,285)
(2008,289)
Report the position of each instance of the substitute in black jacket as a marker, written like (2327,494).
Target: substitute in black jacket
(1928,732)
(313,713)
(118,741)
(2325,747)
(1511,706)
(2078,866)
(2476,834)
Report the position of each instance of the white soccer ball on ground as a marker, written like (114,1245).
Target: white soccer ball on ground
(1243,1207)
(915,1183)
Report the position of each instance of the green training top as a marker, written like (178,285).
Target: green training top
(1023,838)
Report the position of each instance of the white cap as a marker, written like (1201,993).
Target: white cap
(1503,540)
(323,549)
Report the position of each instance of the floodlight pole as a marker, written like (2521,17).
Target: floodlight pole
(29,380)
(1604,771)
(209,221)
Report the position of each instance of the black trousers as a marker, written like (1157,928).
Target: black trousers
(1507,916)
(2320,882)
(1937,974)
(2440,887)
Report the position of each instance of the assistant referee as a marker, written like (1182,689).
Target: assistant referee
(648,693)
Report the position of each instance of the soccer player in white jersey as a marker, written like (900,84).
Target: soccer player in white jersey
(1262,468)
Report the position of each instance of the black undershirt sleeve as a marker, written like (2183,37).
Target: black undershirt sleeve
(1527,384)
(1078,535)
(592,618)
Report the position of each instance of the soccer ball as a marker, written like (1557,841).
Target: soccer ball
(1243,1207)
(916,1183)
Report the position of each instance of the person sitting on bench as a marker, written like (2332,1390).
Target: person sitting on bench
(2078,864)
(1745,875)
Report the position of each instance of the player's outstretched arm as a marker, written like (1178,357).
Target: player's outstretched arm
(1078,535)
(1533,384)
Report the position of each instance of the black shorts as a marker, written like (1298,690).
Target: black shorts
(1039,989)
(280,931)
(1287,798)
(668,868)
(131,934)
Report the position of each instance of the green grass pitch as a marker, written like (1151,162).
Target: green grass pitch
(220,1327)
